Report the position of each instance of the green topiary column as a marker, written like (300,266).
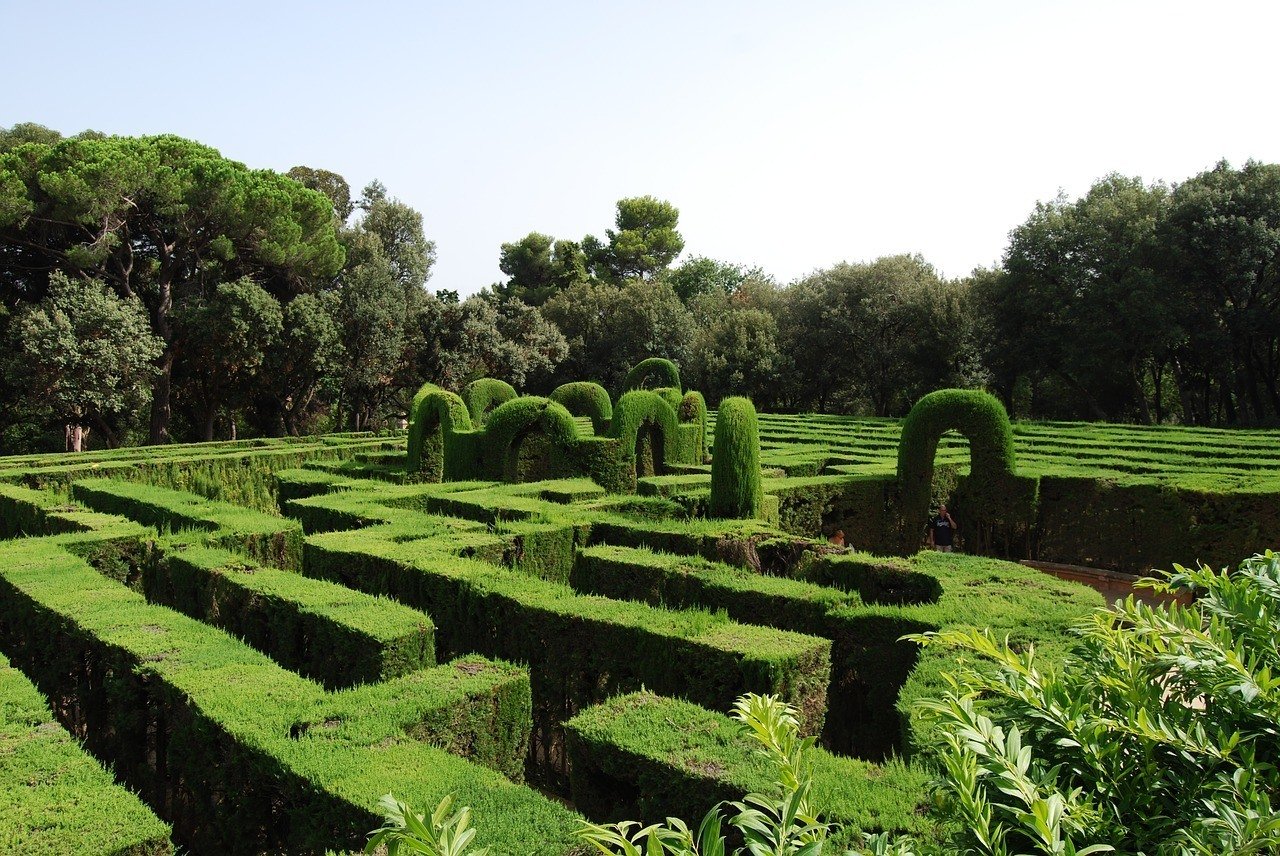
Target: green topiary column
(736,490)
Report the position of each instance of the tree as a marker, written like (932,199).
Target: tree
(1079,283)
(883,332)
(538,266)
(332,185)
(161,219)
(643,243)
(299,365)
(372,314)
(480,337)
(1220,269)
(735,350)
(701,275)
(612,327)
(80,356)
(398,229)
(226,337)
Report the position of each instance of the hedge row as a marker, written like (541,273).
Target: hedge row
(645,757)
(243,756)
(271,540)
(54,798)
(580,649)
(323,631)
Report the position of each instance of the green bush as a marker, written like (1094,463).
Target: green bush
(483,395)
(735,466)
(693,411)
(1159,736)
(666,372)
(585,398)
(640,420)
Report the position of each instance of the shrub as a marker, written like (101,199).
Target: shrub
(637,411)
(483,395)
(736,489)
(435,415)
(668,375)
(1159,737)
(584,398)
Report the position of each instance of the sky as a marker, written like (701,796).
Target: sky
(791,136)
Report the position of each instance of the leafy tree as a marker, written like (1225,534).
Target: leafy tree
(161,219)
(1079,282)
(1220,260)
(885,332)
(226,338)
(701,275)
(372,314)
(79,356)
(27,132)
(735,349)
(300,367)
(329,183)
(612,327)
(398,230)
(643,242)
(538,266)
(480,337)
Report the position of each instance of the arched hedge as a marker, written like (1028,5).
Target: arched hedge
(736,487)
(436,415)
(668,375)
(638,410)
(993,490)
(584,398)
(484,395)
(511,423)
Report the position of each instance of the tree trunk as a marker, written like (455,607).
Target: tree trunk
(207,423)
(161,410)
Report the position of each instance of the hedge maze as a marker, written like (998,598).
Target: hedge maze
(544,606)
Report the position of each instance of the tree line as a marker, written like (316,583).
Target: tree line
(152,290)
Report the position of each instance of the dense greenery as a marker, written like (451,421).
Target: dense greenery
(287,304)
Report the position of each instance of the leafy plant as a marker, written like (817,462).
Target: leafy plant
(1161,736)
(445,833)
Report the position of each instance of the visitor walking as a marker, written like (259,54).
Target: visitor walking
(942,530)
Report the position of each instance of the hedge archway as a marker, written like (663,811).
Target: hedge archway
(665,371)
(585,398)
(485,395)
(434,416)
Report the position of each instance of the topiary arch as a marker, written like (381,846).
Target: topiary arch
(584,398)
(668,375)
(993,488)
(435,416)
(518,421)
(642,413)
(484,395)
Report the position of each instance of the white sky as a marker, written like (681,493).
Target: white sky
(790,135)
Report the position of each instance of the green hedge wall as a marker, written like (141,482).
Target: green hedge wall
(54,798)
(226,739)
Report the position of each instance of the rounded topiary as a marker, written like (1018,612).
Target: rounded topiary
(434,415)
(668,375)
(584,398)
(483,395)
(736,489)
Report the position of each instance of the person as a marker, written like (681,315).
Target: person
(942,530)
(838,539)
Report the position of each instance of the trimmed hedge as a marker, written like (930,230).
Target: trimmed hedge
(735,467)
(247,757)
(483,395)
(271,540)
(693,411)
(584,398)
(54,798)
(435,417)
(300,622)
(642,420)
(665,371)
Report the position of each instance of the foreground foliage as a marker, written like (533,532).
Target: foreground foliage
(1159,737)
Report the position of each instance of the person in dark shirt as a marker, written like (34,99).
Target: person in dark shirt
(942,530)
